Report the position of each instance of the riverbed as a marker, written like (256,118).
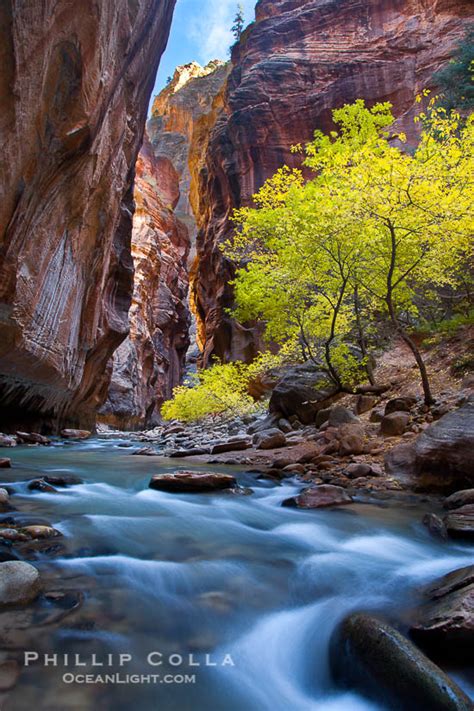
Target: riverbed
(215,602)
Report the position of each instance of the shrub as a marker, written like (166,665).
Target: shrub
(221,389)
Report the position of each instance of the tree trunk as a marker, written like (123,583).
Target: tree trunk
(429,399)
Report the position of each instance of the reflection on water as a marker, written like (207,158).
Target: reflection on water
(209,575)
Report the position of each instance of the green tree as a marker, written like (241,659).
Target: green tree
(456,79)
(330,262)
(239,21)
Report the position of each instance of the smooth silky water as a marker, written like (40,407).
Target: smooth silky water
(210,574)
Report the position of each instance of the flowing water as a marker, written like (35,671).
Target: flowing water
(256,587)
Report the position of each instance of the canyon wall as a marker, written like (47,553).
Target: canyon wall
(75,82)
(150,362)
(180,126)
(298,61)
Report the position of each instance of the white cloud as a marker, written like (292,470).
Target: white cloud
(210,29)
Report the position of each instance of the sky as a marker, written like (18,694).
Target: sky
(201,32)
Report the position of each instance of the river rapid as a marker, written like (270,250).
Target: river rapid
(168,579)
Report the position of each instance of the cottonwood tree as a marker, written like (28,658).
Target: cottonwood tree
(332,261)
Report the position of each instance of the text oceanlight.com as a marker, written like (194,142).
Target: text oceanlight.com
(120,678)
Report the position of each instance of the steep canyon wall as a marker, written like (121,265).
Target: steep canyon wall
(74,89)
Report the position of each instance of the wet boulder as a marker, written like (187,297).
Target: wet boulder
(32,438)
(460,522)
(75,434)
(5,463)
(19,583)
(37,532)
(192,482)
(459,498)
(371,656)
(444,624)
(435,526)
(303,391)
(317,497)
(6,441)
(41,485)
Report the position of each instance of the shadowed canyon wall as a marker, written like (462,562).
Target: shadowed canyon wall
(298,61)
(151,360)
(74,89)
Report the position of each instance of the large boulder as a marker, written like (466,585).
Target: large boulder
(448,444)
(303,391)
(318,497)
(192,482)
(19,583)
(444,625)
(370,655)
(441,456)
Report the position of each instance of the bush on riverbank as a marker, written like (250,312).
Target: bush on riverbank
(223,388)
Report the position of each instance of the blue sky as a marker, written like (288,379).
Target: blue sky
(200,31)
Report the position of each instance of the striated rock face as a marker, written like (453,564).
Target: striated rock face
(180,127)
(75,81)
(181,117)
(150,362)
(301,59)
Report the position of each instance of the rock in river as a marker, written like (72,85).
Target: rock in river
(317,497)
(19,583)
(5,463)
(460,522)
(444,625)
(370,655)
(75,434)
(460,498)
(192,482)
(33,438)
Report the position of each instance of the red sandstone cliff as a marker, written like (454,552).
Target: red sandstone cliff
(150,362)
(180,126)
(298,61)
(75,81)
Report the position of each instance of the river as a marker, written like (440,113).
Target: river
(257,587)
